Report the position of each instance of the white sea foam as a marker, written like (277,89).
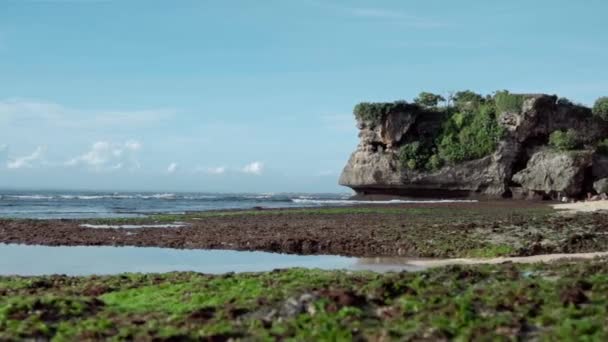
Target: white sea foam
(157,196)
(200,197)
(118,196)
(30,197)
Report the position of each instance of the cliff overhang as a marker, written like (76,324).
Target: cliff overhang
(405,149)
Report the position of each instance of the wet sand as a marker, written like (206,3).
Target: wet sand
(376,264)
(588,206)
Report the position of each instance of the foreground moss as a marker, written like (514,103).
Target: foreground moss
(562,301)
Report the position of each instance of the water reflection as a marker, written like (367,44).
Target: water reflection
(42,260)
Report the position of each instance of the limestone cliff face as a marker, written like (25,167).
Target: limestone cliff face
(374,167)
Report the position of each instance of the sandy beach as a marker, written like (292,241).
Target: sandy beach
(583,206)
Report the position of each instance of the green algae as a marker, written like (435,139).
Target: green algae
(560,301)
(432,213)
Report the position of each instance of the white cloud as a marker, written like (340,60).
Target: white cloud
(172,168)
(254,168)
(218,170)
(26,161)
(105,155)
(133,145)
(24,113)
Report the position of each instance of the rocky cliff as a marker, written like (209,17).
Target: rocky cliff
(519,161)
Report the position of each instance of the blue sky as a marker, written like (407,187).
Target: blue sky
(251,96)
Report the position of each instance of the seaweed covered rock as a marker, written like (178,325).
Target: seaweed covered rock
(473,146)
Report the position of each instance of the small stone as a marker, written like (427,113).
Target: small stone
(270,316)
(310,308)
(298,305)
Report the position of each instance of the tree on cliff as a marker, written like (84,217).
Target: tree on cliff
(428,100)
(467,99)
(600,108)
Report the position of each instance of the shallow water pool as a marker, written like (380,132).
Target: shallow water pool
(28,260)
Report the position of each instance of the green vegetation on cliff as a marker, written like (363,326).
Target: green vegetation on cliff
(469,134)
(373,113)
(469,131)
(602,147)
(600,108)
(507,102)
(564,140)
(428,100)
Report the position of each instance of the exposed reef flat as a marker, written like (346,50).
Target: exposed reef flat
(482,229)
(563,300)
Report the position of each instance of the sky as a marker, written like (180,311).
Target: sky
(256,96)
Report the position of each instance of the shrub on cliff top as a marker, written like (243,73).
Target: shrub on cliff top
(564,140)
(600,108)
(602,147)
(467,100)
(373,113)
(428,100)
(507,102)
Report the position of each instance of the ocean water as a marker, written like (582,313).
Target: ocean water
(89,204)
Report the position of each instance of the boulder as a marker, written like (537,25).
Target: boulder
(601,186)
(371,169)
(555,172)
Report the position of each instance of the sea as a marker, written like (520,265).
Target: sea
(98,204)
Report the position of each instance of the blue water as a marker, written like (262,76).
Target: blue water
(88,204)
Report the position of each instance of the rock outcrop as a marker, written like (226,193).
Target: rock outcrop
(601,186)
(521,162)
(553,172)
